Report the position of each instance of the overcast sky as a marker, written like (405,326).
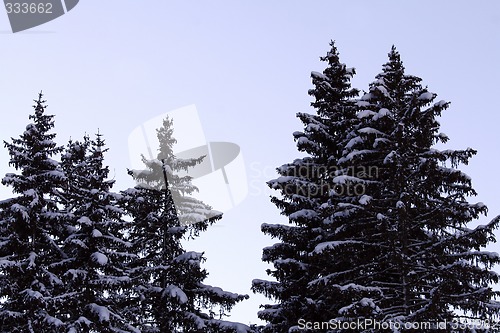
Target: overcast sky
(245,65)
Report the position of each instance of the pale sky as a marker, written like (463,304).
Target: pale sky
(113,65)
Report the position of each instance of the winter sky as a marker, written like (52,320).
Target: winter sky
(113,65)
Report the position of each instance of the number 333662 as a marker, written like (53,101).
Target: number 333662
(28,8)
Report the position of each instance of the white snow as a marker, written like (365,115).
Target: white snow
(365,199)
(353,154)
(443,136)
(303,140)
(312,127)
(191,257)
(30,193)
(57,173)
(84,220)
(218,291)
(362,103)
(100,258)
(7,263)
(306,213)
(370,130)
(383,90)
(32,293)
(380,140)
(364,302)
(17,208)
(426,96)
(382,113)
(31,259)
(365,113)
(84,321)
(317,75)
(96,233)
(53,321)
(168,170)
(76,273)
(354,141)
(480,205)
(354,286)
(101,311)
(330,245)
(176,292)
(390,157)
(440,104)
(235,327)
(344,179)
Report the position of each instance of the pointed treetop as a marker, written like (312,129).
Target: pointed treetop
(333,59)
(40,105)
(97,150)
(43,121)
(395,63)
(394,51)
(166,139)
(332,56)
(392,83)
(99,143)
(333,84)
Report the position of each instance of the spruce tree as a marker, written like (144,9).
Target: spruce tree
(307,194)
(94,274)
(387,237)
(169,293)
(30,231)
(429,266)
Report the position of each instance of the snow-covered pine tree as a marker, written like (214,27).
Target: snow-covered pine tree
(94,274)
(311,189)
(429,264)
(170,295)
(379,217)
(29,229)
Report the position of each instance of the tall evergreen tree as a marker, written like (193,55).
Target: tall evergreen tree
(388,238)
(429,266)
(29,229)
(308,191)
(170,295)
(94,274)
